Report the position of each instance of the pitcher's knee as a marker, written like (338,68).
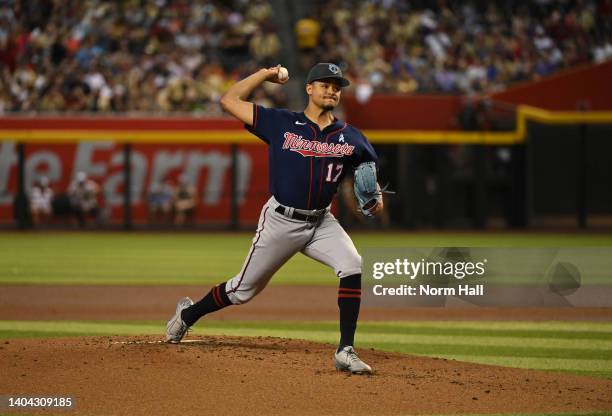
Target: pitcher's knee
(349,266)
(243,294)
(241,297)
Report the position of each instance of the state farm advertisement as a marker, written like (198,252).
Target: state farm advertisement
(207,167)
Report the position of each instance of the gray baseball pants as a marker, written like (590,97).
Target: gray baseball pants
(279,237)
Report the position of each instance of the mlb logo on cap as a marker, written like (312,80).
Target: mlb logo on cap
(326,70)
(334,68)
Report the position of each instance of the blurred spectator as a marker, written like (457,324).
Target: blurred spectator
(161,201)
(307,32)
(184,201)
(602,51)
(41,197)
(83,193)
(265,46)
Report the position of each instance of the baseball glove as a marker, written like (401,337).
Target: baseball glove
(367,190)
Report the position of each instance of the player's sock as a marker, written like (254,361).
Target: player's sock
(349,300)
(215,299)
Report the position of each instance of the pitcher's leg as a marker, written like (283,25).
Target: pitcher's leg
(214,300)
(349,302)
(275,242)
(332,246)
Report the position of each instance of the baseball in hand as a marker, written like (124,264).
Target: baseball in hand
(283,74)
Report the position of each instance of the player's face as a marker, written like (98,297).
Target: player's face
(325,94)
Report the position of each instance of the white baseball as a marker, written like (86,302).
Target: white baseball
(283,74)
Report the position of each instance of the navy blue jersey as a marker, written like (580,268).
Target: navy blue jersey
(307,164)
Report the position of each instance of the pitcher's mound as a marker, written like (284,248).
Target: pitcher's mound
(272,376)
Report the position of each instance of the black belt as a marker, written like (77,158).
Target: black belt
(298,216)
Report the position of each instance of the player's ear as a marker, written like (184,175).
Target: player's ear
(309,89)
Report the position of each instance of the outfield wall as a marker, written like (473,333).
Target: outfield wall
(208,167)
(444,178)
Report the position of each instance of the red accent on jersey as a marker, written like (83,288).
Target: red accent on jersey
(310,185)
(296,137)
(323,162)
(255,117)
(315,148)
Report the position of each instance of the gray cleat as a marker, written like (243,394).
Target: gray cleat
(176,328)
(348,360)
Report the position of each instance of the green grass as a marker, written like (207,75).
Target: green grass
(207,258)
(577,347)
(583,348)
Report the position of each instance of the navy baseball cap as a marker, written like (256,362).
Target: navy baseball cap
(326,70)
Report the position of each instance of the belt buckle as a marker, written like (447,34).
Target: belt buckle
(313,218)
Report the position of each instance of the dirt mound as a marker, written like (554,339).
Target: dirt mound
(226,375)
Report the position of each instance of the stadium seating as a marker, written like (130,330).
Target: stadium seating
(179,56)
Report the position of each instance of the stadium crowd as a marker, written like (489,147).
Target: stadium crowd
(460,46)
(131,56)
(163,56)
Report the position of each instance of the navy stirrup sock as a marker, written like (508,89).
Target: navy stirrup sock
(349,300)
(215,299)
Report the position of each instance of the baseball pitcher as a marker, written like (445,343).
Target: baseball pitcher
(309,154)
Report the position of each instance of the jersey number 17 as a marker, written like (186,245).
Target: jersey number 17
(330,171)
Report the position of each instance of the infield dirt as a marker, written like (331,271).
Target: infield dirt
(272,376)
(268,376)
